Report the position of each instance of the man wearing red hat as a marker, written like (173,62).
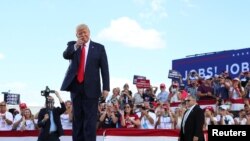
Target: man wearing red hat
(18,118)
(163,95)
(210,119)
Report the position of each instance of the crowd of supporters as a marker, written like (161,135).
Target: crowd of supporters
(23,119)
(151,109)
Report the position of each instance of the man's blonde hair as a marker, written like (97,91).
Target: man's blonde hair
(82,26)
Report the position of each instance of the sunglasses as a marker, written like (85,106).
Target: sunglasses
(188,100)
(127,107)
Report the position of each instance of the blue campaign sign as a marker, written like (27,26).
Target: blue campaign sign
(210,64)
(11,98)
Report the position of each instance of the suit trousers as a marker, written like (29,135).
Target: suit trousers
(52,137)
(84,114)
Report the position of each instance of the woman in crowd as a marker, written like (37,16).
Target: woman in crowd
(236,94)
(66,117)
(236,91)
(241,119)
(128,118)
(178,116)
(28,121)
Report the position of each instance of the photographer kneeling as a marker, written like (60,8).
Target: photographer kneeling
(49,120)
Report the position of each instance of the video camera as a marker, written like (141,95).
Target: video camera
(141,106)
(47,91)
(219,101)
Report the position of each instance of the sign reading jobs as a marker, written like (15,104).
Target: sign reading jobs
(232,61)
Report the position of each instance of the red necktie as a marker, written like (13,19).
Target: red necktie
(80,72)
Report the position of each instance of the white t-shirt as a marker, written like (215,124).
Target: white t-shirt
(145,124)
(235,94)
(208,121)
(16,119)
(3,125)
(29,125)
(165,122)
(228,118)
(175,98)
(243,121)
(66,123)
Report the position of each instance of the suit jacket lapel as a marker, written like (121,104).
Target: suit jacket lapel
(191,111)
(90,51)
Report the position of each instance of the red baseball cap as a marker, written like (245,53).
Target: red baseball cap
(165,106)
(162,85)
(210,108)
(22,106)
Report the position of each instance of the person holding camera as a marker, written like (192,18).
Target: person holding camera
(148,118)
(126,97)
(165,117)
(49,120)
(224,117)
(109,117)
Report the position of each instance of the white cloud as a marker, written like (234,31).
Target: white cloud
(1,56)
(155,11)
(131,34)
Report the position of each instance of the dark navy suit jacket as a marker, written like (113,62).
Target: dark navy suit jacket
(193,125)
(96,62)
(45,126)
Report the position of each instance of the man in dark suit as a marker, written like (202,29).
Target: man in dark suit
(49,120)
(87,60)
(192,122)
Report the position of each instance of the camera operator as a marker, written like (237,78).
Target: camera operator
(49,120)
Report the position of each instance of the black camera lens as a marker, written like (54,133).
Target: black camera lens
(47,91)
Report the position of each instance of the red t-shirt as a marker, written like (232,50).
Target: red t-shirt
(128,123)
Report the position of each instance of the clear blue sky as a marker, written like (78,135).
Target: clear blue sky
(141,37)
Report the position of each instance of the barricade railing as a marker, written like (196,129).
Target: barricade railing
(120,134)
